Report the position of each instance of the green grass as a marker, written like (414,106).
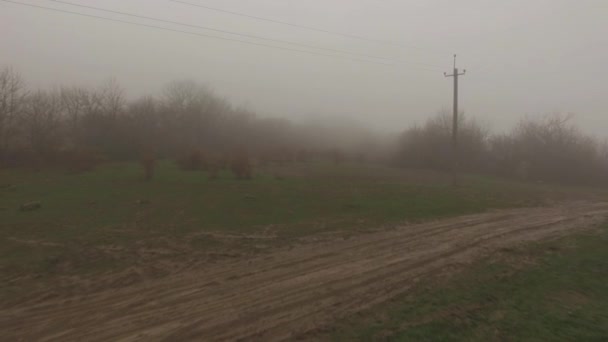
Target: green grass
(553,291)
(84,213)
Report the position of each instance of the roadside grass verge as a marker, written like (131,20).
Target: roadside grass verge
(550,291)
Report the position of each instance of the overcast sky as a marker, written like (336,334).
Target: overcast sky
(523,57)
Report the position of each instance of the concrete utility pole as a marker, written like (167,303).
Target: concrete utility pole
(455,154)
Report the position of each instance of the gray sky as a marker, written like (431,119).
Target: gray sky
(523,57)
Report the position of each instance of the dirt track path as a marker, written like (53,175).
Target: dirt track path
(290,292)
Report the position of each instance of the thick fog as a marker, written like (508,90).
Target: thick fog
(523,57)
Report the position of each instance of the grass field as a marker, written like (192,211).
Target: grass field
(110,219)
(551,291)
(106,232)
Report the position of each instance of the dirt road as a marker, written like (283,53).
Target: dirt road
(290,292)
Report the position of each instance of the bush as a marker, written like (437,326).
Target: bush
(78,161)
(430,145)
(148,162)
(214,171)
(555,150)
(193,161)
(241,166)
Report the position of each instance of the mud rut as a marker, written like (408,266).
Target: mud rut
(290,292)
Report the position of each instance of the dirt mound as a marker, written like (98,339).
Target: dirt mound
(291,292)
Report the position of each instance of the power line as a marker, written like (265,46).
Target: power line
(305,27)
(422,66)
(220,30)
(194,33)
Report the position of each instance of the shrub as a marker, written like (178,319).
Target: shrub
(148,162)
(214,171)
(78,161)
(241,166)
(193,161)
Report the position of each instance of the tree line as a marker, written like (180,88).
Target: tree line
(79,124)
(188,122)
(547,149)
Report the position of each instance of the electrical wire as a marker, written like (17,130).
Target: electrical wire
(195,33)
(220,30)
(305,27)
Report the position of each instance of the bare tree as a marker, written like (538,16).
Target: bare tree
(40,122)
(100,125)
(196,111)
(553,149)
(429,146)
(111,99)
(12,93)
(76,103)
(145,125)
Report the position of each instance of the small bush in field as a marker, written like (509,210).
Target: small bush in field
(78,161)
(148,162)
(241,166)
(193,161)
(214,171)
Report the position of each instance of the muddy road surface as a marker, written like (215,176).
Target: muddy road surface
(290,292)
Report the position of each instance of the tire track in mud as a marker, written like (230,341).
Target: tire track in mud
(384,272)
(303,264)
(314,262)
(293,291)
